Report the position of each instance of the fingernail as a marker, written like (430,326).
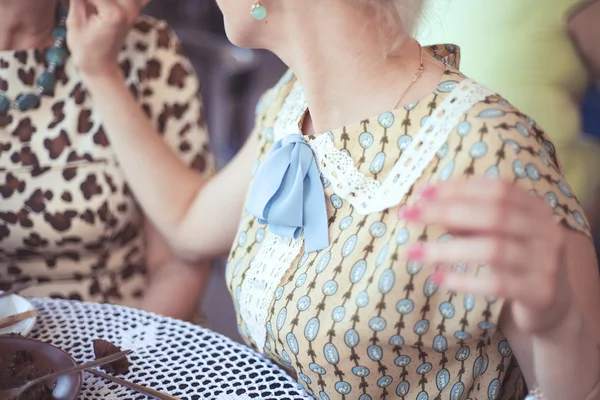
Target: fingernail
(411,213)
(428,192)
(415,252)
(438,277)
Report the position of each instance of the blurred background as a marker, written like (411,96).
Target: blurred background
(232,81)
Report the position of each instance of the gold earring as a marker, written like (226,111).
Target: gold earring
(259,12)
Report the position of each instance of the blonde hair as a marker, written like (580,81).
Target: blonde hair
(396,16)
(396,13)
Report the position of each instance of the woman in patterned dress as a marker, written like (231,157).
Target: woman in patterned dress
(67,217)
(430,251)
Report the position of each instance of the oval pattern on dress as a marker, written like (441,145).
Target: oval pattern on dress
(386,120)
(362,300)
(440,344)
(349,246)
(377,229)
(424,368)
(281,317)
(375,352)
(422,327)
(330,288)
(442,379)
(402,236)
(385,381)
(292,343)
(377,324)
(351,338)
(343,388)
(386,281)
(405,306)
(301,280)
(403,388)
(317,369)
(361,371)
(396,340)
(377,163)
(331,354)
(494,390)
(402,361)
(358,271)
(447,310)
(312,329)
(303,303)
(366,140)
(457,391)
(323,263)
(338,314)
(346,222)
(463,353)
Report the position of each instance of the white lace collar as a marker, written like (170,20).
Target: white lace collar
(367,195)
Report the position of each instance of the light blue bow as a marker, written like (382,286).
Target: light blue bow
(287,193)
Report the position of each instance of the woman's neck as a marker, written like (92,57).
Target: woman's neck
(26,23)
(339,57)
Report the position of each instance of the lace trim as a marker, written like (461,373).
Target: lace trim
(292,110)
(368,195)
(276,253)
(262,278)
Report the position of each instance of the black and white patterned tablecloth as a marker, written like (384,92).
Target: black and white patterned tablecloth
(175,357)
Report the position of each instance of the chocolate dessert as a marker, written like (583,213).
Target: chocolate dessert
(103,348)
(20,369)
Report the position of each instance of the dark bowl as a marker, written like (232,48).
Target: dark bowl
(45,356)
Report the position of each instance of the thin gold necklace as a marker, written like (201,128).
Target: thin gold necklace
(418,74)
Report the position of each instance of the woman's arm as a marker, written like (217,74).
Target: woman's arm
(197,218)
(565,361)
(175,288)
(546,276)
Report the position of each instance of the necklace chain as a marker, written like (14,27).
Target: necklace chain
(56,57)
(418,75)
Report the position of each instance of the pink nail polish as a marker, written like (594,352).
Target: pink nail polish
(438,277)
(415,253)
(428,192)
(411,213)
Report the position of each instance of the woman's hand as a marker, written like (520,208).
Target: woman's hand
(502,225)
(96,31)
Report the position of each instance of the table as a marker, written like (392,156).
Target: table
(172,356)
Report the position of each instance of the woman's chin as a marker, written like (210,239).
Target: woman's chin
(240,37)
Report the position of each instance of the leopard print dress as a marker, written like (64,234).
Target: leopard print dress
(67,217)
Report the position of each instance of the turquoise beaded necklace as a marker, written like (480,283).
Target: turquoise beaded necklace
(56,56)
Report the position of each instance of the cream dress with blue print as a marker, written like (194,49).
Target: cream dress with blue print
(357,320)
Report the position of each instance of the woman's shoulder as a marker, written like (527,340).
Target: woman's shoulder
(489,118)
(493,139)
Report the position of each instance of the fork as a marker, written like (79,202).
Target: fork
(14,394)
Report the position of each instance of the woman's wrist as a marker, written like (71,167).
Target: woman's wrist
(100,78)
(566,347)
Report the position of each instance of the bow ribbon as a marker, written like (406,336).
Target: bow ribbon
(287,193)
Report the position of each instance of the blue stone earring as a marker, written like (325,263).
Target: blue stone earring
(259,12)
